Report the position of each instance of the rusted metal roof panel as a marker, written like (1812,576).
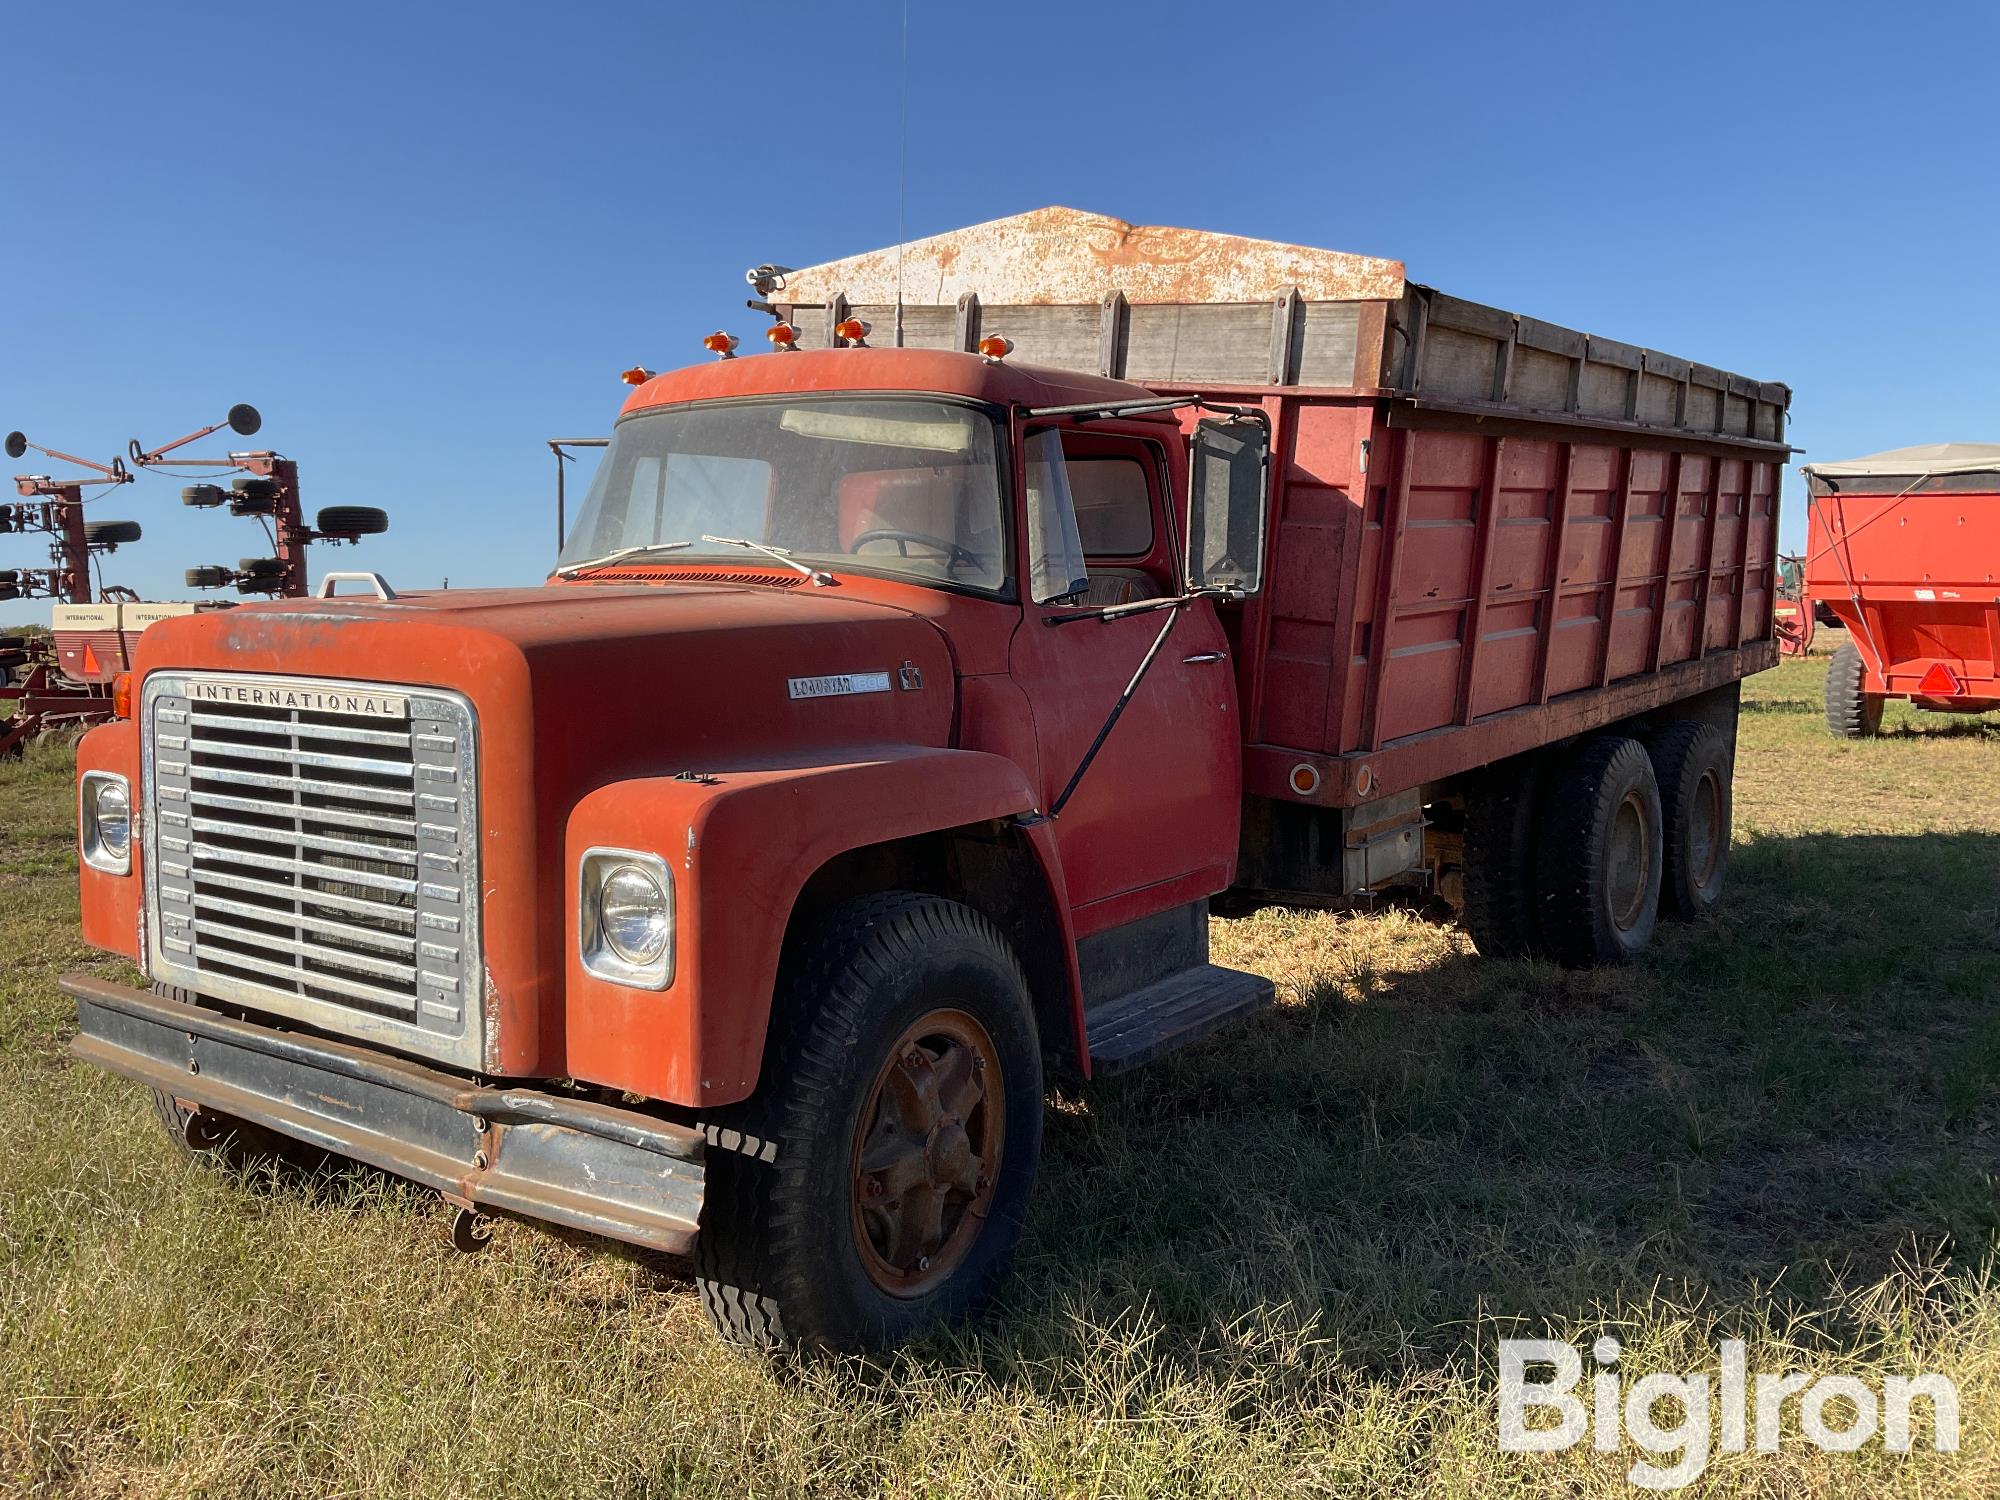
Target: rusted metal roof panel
(1063,255)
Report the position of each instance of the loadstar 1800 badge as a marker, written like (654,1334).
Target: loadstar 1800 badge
(837,685)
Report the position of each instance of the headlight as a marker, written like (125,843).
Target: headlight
(104,822)
(626,927)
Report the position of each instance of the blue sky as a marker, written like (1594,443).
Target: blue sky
(424,238)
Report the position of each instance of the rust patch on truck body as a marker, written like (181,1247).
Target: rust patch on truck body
(1064,256)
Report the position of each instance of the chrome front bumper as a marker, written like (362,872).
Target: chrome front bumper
(613,1172)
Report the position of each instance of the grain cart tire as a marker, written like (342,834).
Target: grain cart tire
(1852,712)
(1499,868)
(1692,764)
(1598,861)
(351,520)
(855,1200)
(110,533)
(236,1145)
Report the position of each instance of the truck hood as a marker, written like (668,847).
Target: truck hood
(599,683)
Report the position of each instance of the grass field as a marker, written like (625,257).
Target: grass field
(1277,1263)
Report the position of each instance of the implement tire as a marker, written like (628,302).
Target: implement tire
(1499,864)
(1852,712)
(1600,857)
(875,1185)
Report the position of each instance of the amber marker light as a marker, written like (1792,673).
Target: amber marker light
(121,695)
(782,336)
(994,348)
(637,375)
(721,345)
(851,331)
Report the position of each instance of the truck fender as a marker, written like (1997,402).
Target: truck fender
(740,845)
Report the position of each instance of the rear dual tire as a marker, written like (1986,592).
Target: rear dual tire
(1576,855)
(1599,855)
(1695,770)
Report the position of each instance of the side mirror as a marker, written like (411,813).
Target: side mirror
(1228,485)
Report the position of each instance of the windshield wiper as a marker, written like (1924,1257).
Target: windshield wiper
(820,579)
(620,555)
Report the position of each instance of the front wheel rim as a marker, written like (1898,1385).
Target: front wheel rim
(927,1151)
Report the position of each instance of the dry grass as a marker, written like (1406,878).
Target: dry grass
(1275,1264)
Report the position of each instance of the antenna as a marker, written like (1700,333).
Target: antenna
(902,172)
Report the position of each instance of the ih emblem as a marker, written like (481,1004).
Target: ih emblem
(912,678)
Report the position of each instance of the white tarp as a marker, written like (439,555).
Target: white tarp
(1925,458)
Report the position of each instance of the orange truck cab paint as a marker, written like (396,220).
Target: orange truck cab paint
(890,722)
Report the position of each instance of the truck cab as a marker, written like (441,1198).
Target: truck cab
(834,690)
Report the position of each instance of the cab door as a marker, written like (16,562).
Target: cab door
(1153,822)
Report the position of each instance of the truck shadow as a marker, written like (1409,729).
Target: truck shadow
(1796,1091)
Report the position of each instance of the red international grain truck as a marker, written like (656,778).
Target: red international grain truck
(890,723)
(1903,549)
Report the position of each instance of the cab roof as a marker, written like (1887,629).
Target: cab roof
(831,371)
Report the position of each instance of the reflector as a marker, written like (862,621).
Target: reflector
(1938,682)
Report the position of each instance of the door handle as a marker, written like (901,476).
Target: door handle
(1205,656)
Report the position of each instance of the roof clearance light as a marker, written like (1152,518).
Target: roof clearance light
(993,348)
(1938,682)
(720,344)
(851,331)
(637,375)
(782,336)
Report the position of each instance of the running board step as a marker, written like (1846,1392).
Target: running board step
(1140,1026)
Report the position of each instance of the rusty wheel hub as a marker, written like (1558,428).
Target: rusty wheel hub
(927,1153)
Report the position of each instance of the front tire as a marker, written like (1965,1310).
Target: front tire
(876,1185)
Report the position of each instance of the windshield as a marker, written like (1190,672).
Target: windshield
(898,486)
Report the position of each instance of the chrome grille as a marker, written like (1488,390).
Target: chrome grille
(311,850)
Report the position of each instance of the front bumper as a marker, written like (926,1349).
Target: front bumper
(614,1172)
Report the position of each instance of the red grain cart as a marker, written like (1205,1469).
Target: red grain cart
(1903,547)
